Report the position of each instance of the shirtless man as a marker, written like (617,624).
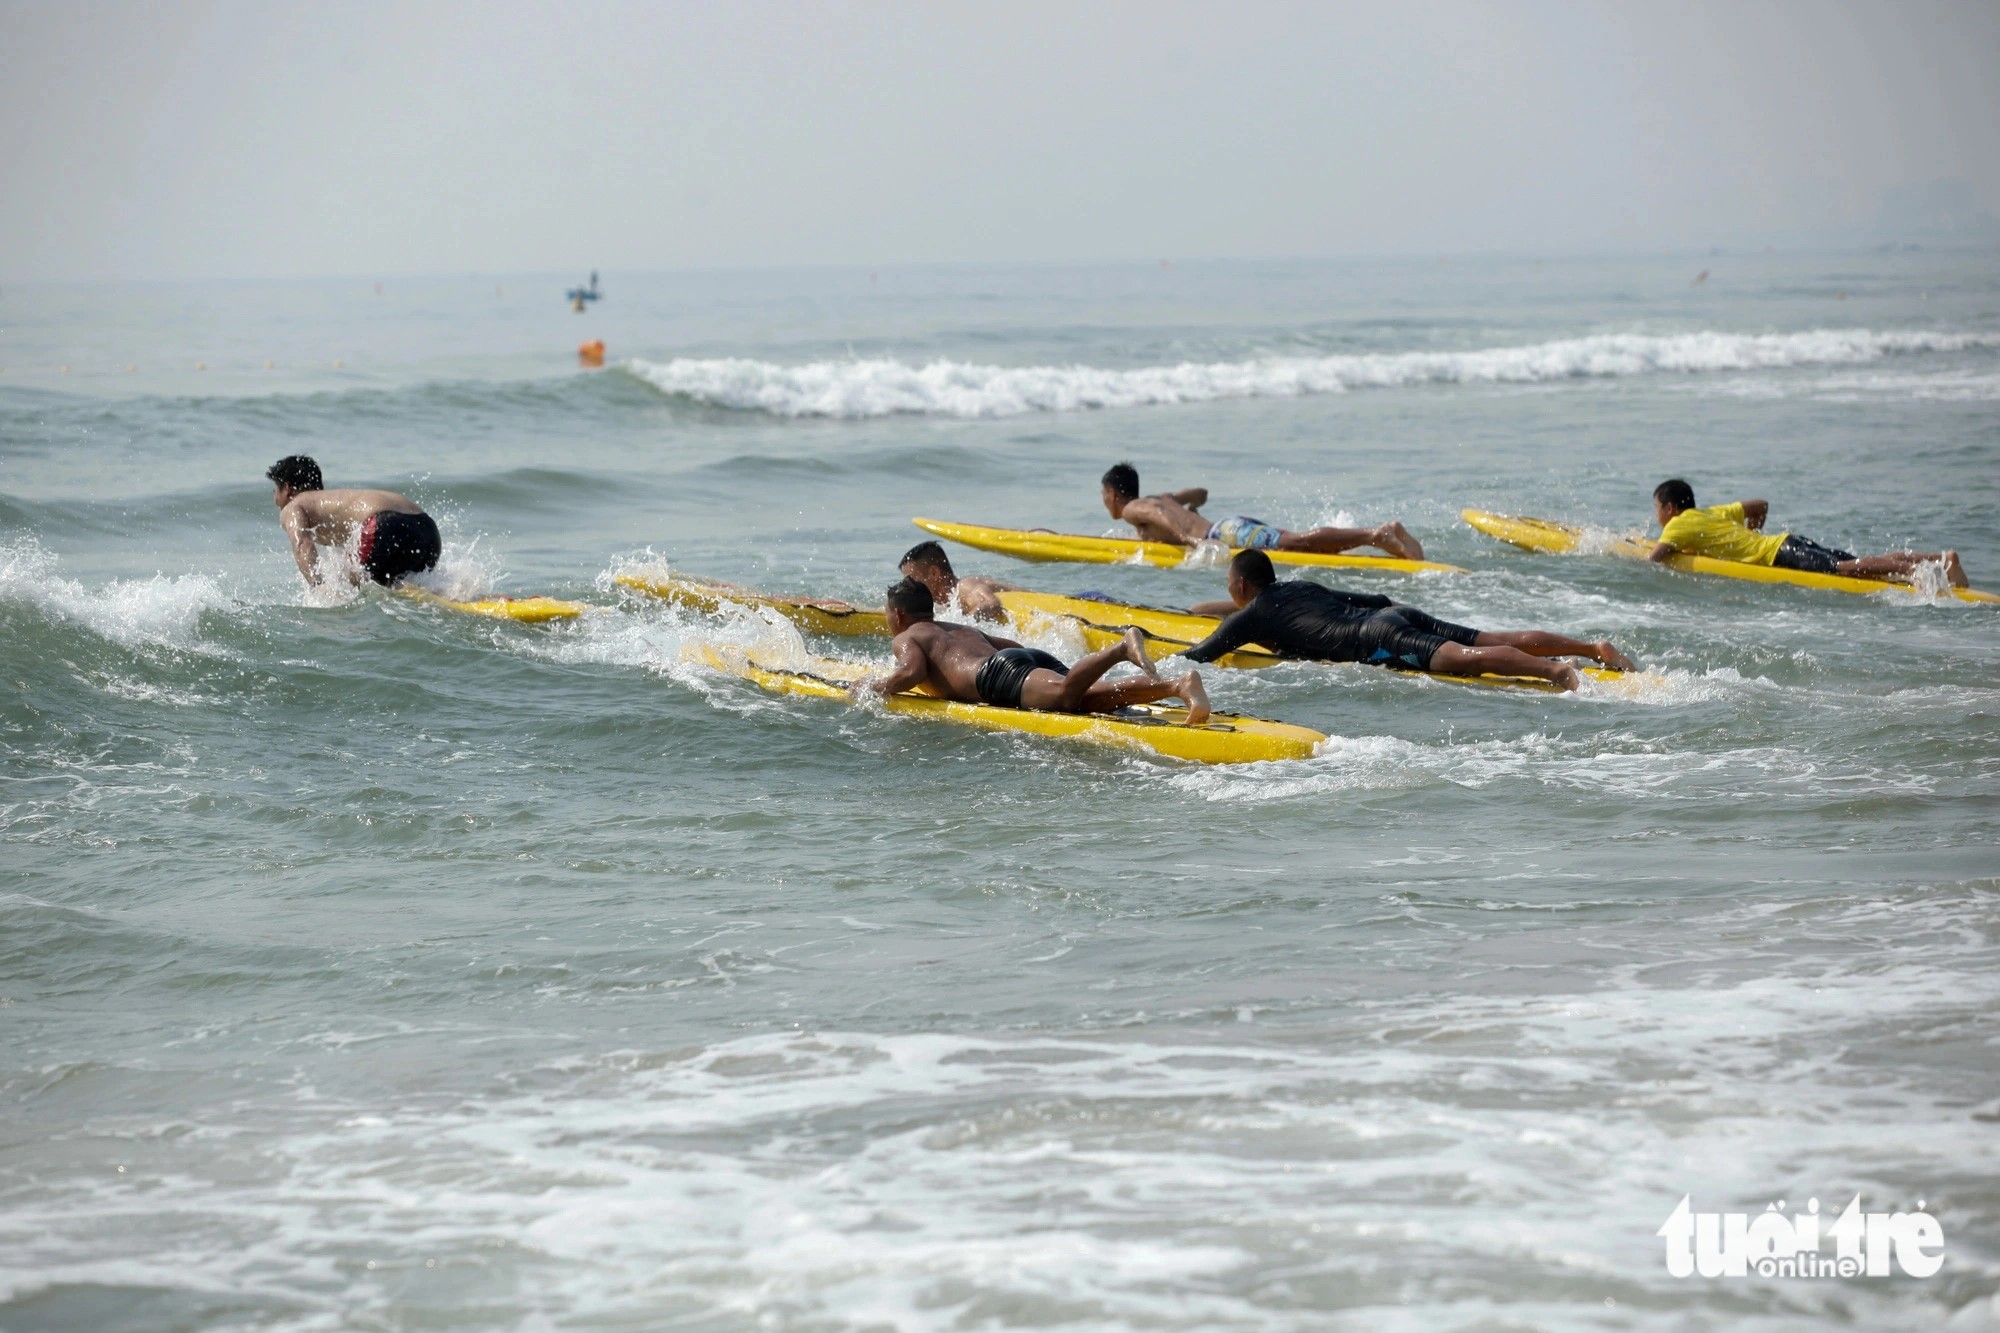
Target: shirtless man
(1735,531)
(1172,518)
(977,595)
(960,662)
(1299,619)
(397,538)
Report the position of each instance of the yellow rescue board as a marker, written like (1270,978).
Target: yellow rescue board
(1224,739)
(1169,631)
(818,615)
(1075,549)
(826,616)
(1539,534)
(527,610)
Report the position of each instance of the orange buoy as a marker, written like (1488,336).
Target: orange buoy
(591,353)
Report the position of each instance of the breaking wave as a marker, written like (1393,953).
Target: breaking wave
(162,611)
(886,387)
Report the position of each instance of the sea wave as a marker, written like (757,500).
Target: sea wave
(161,611)
(885,387)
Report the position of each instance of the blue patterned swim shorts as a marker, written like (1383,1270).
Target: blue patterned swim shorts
(1248,534)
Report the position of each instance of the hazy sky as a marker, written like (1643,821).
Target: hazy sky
(252,139)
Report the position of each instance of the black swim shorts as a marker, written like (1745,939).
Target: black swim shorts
(1404,638)
(1804,553)
(1001,676)
(395,545)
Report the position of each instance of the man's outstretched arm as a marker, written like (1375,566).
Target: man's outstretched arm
(304,549)
(1661,552)
(1194,497)
(1755,512)
(1239,629)
(911,670)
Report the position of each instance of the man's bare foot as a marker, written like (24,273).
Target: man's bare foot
(1566,677)
(1612,658)
(1194,696)
(1955,571)
(1135,652)
(1397,541)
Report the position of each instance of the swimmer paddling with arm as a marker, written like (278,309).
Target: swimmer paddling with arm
(1171,518)
(397,538)
(1735,531)
(1300,619)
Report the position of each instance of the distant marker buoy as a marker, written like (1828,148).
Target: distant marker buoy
(65,370)
(267,363)
(129,369)
(591,353)
(201,365)
(378,289)
(338,364)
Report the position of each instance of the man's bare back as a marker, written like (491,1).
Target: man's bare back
(312,519)
(952,656)
(389,533)
(333,516)
(1165,518)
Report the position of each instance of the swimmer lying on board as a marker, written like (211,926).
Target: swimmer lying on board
(397,538)
(1735,531)
(1299,619)
(1171,518)
(977,595)
(962,663)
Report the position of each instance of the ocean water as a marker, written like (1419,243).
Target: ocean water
(369,966)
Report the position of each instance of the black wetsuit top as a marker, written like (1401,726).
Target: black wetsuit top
(1304,620)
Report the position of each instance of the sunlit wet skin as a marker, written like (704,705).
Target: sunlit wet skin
(1084,690)
(1904,566)
(1543,643)
(1174,517)
(1391,537)
(1453,659)
(1187,686)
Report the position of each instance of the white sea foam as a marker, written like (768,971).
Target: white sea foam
(1622,765)
(878,387)
(911,1180)
(164,610)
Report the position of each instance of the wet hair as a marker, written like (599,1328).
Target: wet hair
(1254,568)
(1123,479)
(296,471)
(910,597)
(926,555)
(1675,494)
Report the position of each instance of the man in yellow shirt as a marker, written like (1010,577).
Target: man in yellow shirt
(1735,531)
